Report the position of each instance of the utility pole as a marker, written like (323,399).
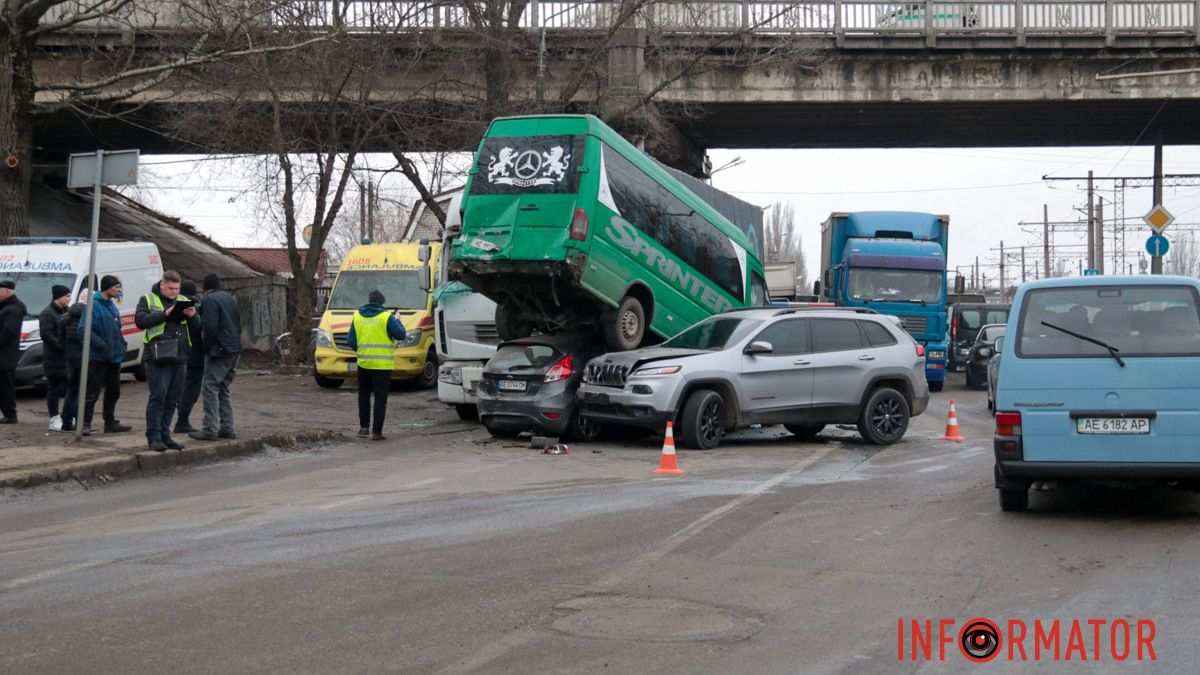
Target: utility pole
(1156,262)
(362,213)
(1003,287)
(975,275)
(1091,230)
(1045,241)
(1022,264)
(371,211)
(1100,235)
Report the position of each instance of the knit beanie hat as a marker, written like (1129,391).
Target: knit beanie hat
(375,298)
(212,282)
(58,290)
(108,281)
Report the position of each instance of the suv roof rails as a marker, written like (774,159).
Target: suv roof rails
(817,306)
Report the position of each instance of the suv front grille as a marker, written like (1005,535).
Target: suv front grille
(915,325)
(607,374)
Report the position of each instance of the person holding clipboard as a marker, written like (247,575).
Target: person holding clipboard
(162,314)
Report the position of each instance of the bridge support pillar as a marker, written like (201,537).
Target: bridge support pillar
(626,109)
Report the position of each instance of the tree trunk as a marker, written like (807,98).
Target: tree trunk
(16,136)
(301,303)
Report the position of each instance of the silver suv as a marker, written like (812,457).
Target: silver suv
(803,368)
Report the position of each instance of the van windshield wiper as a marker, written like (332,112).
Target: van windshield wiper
(1111,349)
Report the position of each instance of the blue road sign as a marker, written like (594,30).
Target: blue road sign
(1157,245)
(1091,272)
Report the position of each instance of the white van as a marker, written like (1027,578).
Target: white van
(41,263)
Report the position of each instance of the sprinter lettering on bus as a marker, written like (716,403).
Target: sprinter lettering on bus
(626,236)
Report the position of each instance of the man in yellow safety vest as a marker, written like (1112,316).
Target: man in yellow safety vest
(162,313)
(373,336)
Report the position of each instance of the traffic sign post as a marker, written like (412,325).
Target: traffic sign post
(1158,219)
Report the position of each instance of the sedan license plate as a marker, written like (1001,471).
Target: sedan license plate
(1113,425)
(511,385)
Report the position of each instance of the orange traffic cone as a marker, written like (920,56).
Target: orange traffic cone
(952,433)
(667,462)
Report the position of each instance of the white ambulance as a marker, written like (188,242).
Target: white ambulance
(37,264)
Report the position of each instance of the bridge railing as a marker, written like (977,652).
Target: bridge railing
(836,18)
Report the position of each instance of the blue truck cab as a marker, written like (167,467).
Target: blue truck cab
(893,262)
(1097,381)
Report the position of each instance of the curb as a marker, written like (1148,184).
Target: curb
(105,468)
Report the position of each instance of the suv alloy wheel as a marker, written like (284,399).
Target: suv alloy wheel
(884,418)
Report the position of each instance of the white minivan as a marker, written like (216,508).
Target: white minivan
(36,264)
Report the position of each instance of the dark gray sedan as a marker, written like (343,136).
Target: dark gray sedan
(530,385)
(982,351)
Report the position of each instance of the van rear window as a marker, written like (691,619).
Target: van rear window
(1135,320)
(528,165)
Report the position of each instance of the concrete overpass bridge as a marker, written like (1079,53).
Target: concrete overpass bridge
(881,74)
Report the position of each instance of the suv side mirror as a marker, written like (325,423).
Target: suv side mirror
(759,347)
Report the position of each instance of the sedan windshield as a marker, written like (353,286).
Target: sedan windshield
(713,334)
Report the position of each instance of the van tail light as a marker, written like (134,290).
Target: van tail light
(560,370)
(920,350)
(1008,424)
(579,225)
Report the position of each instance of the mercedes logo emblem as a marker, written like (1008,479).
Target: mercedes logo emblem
(529,163)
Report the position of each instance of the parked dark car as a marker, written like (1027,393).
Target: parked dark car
(993,374)
(965,322)
(530,384)
(981,353)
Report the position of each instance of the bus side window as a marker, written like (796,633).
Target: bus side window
(758,291)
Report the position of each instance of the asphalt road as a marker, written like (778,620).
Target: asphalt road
(440,551)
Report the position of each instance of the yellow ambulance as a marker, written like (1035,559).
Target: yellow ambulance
(394,270)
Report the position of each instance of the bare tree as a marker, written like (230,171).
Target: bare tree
(783,242)
(125,50)
(1184,256)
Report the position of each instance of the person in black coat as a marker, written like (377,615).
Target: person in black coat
(12,314)
(221,323)
(195,365)
(54,351)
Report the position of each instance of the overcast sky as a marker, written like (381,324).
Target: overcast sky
(986,193)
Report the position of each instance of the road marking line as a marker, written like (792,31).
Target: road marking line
(47,574)
(498,648)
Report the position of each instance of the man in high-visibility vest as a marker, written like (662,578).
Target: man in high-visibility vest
(162,313)
(373,336)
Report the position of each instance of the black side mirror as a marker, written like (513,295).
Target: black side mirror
(759,347)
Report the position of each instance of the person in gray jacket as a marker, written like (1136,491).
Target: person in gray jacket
(221,325)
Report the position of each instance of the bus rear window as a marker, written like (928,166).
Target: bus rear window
(1135,320)
(528,165)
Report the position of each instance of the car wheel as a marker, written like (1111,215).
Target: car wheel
(702,423)
(884,418)
(627,330)
(501,432)
(804,430)
(428,378)
(467,412)
(327,382)
(937,386)
(583,428)
(508,324)
(1013,500)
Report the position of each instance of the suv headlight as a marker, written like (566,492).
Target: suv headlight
(656,370)
(324,338)
(936,354)
(412,338)
(450,374)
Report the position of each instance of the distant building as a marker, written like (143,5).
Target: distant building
(275,261)
(422,223)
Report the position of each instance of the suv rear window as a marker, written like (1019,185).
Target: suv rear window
(1136,320)
(877,335)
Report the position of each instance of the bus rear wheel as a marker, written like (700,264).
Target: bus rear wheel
(509,325)
(626,331)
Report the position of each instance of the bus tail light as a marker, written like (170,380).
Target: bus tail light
(560,370)
(579,225)
(1008,424)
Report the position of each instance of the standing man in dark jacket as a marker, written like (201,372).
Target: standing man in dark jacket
(221,322)
(161,314)
(73,340)
(195,364)
(106,355)
(54,352)
(12,313)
